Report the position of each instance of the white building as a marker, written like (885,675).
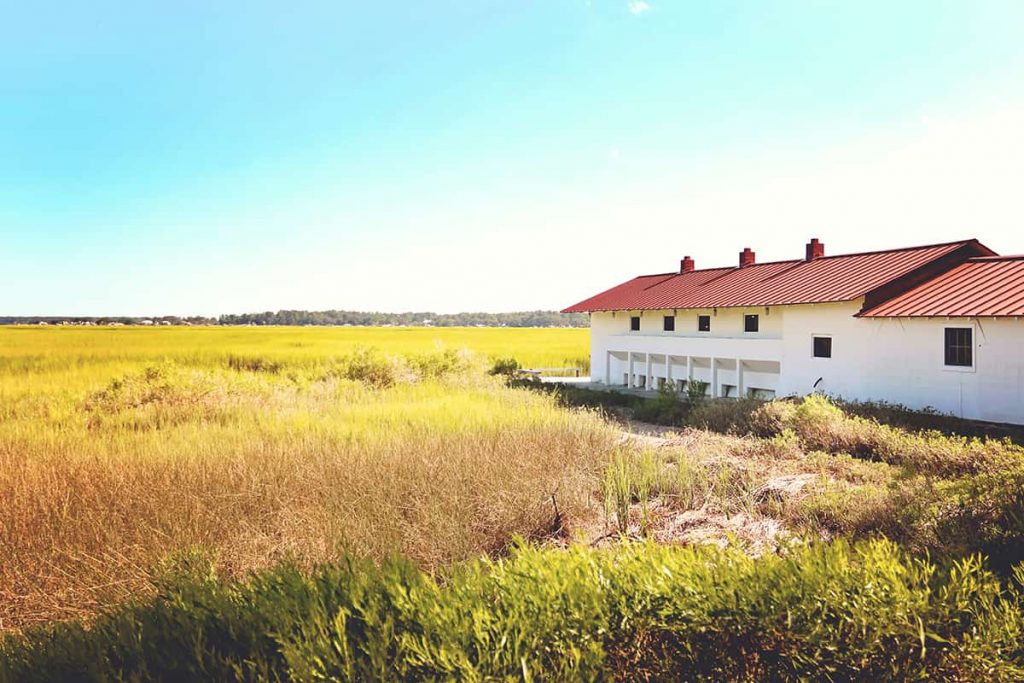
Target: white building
(939,326)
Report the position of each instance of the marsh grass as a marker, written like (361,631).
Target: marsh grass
(114,457)
(630,478)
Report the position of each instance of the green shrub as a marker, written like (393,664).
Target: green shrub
(928,419)
(900,511)
(986,514)
(570,396)
(634,612)
(505,366)
(368,366)
(665,409)
(725,415)
(822,425)
(438,365)
(696,392)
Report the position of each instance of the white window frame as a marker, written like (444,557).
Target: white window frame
(948,324)
(831,348)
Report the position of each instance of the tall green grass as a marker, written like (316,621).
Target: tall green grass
(834,612)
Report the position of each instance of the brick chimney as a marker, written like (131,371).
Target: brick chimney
(686,265)
(815,249)
(746,257)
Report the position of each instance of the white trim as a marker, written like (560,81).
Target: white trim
(949,325)
(815,335)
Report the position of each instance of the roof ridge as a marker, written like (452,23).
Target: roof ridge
(889,251)
(797,262)
(998,257)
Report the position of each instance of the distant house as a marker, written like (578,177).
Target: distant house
(935,326)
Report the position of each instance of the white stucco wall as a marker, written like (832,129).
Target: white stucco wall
(896,360)
(901,360)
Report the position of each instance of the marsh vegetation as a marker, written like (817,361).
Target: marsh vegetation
(300,504)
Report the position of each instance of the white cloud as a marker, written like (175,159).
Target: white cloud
(638,7)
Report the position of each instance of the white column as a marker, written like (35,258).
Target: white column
(689,370)
(607,368)
(650,380)
(668,369)
(629,377)
(740,385)
(714,377)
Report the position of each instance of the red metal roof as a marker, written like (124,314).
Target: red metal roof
(826,279)
(990,286)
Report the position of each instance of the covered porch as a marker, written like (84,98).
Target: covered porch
(724,377)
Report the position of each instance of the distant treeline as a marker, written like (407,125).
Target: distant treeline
(516,319)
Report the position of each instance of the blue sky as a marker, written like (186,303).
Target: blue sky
(215,157)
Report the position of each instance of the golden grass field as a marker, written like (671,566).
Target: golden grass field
(120,447)
(39,359)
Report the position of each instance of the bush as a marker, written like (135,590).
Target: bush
(166,395)
(575,397)
(368,366)
(505,366)
(928,419)
(987,515)
(900,511)
(822,425)
(438,365)
(725,415)
(665,409)
(638,612)
(696,392)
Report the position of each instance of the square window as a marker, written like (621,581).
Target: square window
(634,323)
(959,347)
(670,323)
(823,347)
(750,323)
(703,323)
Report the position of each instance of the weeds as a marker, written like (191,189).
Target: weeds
(630,479)
(638,611)
(822,425)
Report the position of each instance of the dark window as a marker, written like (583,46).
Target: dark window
(703,323)
(750,323)
(670,323)
(823,347)
(959,346)
(634,323)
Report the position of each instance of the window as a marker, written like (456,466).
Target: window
(959,347)
(823,347)
(634,323)
(750,323)
(670,323)
(703,323)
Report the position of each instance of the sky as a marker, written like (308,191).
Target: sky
(223,157)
